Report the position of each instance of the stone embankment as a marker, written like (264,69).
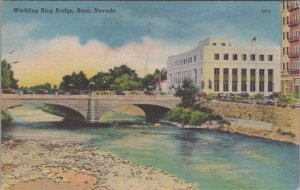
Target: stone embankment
(39,164)
(284,121)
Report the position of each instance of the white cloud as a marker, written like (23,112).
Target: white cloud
(49,60)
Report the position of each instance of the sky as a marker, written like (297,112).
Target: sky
(139,34)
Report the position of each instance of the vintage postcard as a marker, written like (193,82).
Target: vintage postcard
(150,95)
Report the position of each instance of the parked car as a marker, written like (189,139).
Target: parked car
(274,95)
(201,94)
(244,95)
(86,92)
(119,92)
(9,91)
(150,92)
(27,91)
(74,92)
(41,91)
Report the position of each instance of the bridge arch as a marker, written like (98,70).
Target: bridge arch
(71,112)
(152,112)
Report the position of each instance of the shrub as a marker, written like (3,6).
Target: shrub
(186,115)
(5,118)
(211,96)
(198,118)
(174,114)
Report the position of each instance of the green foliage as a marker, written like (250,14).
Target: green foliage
(126,82)
(104,92)
(174,114)
(286,100)
(190,116)
(235,98)
(117,72)
(135,92)
(198,117)
(51,109)
(186,115)
(101,81)
(75,81)
(152,79)
(258,96)
(296,95)
(7,76)
(211,96)
(5,118)
(187,93)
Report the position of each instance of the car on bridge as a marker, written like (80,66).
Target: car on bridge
(41,91)
(120,92)
(26,91)
(9,91)
(75,92)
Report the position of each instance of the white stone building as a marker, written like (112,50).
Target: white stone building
(216,65)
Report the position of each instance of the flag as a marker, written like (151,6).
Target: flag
(253,39)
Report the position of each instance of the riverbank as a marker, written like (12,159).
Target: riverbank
(40,164)
(273,132)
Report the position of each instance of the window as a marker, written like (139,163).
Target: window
(261,86)
(216,71)
(283,35)
(225,85)
(244,71)
(287,35)
(270,72)
(223,44)
(252,72)
(244,57)
(287,66)
(261,72)
(270,57)
(234,72)
(225,71)
(283,51)
(194,58)
(261,57)
(214,44)
(283,66)
(217,56)
(244,86)
(234,86)
(252,86)
(283,20)
(216,86)
(252,58)
(234,56)
(283,5)
(287,50)
(287,20)
(270,86)
(226,56)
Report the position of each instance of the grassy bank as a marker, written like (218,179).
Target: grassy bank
(52,110)
(5,118)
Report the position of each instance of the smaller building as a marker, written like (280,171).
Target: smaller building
(162,86)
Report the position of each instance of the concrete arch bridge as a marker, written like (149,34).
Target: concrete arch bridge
(92,107)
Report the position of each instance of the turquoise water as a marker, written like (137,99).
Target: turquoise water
(210,160)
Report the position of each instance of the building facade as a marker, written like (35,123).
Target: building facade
(290,47)
(217,66)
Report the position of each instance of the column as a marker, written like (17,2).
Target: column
(230,80)
(257,80)
(248,80)
(221,80)
(266,82)
(239,82)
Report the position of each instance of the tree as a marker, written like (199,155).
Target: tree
(258,96)
(148,80)
(75,81)
(102,81)
(126,82)
(187,93)
(123,69)
(47,86)
(7,76)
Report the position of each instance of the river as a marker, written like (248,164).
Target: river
(208,159)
